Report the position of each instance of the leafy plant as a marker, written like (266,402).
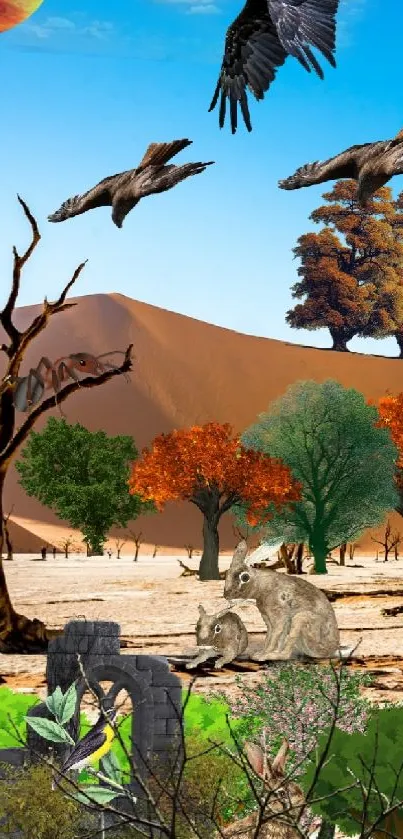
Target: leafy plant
(297,703)
(14,706)
(372,762)
(62,706)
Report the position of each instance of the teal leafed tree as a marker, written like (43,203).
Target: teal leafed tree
(82,475)
(327,435)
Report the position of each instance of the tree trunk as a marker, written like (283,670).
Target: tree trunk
(208,569)
(299,558)
(18,634)
(319,550)
(340,340)
(6,534)
(286,557)
(327,830)
(399,341)
(342,551)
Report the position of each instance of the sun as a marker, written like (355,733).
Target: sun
(13,12)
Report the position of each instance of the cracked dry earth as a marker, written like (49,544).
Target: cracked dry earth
(157,610)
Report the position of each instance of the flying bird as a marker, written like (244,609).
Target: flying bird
(371,164)
(122,192)
(259,41)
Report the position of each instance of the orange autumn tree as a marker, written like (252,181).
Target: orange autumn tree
(390,409)
(209,467)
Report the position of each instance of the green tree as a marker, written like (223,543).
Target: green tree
(326,435)
(351,272)
(82,475)
(374,760)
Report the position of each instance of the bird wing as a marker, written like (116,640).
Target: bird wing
(159,179)
(98,196)
(90,743)
(158,154)
(252,55)
(343,165)
(303,22)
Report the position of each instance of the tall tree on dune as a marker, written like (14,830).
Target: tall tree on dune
(209,467)
(352,270)
(18,633)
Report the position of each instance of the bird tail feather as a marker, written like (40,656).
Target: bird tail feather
(66,210)
(158,154)
(302,177)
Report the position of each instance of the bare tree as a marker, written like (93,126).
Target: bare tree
(342,552)
(18,633)
(389,542)
(7,535)
(119,545)
(137,539)
(155,550)
(351,550)
(242,533)
(68,544)
(189,550)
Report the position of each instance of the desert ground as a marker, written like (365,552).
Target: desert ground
(156,608)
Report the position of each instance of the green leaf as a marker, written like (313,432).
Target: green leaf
(68,705)
(111,767)
(54,702)
(98,795)
(49,730)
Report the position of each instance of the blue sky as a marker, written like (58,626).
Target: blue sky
(90,84)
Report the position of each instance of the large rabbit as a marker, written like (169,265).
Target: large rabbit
(223,634)
(287,799)
(299,618)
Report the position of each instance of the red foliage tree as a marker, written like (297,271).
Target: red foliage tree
(352,285)
(391,416)
(209,467)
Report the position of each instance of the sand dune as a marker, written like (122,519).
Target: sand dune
(186,371)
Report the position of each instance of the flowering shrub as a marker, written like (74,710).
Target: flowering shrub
(299,702)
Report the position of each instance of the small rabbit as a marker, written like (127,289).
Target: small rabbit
(286,800)
(223,634)
(299,618)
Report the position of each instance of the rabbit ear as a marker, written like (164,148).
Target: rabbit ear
(202,609)
(227,609)
(278,764)
(240,553)
(255,755)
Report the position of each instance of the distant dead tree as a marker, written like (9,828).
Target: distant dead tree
(155,550)
(7,535)
(189,550)
(351,550)
(119,545)
(242,533)
(68,544)
(138,540)
(17,632)
(292,556)
(342,552)
(389,542)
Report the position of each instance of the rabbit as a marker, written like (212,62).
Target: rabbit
(287,799)
(299,618)
(224,633)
